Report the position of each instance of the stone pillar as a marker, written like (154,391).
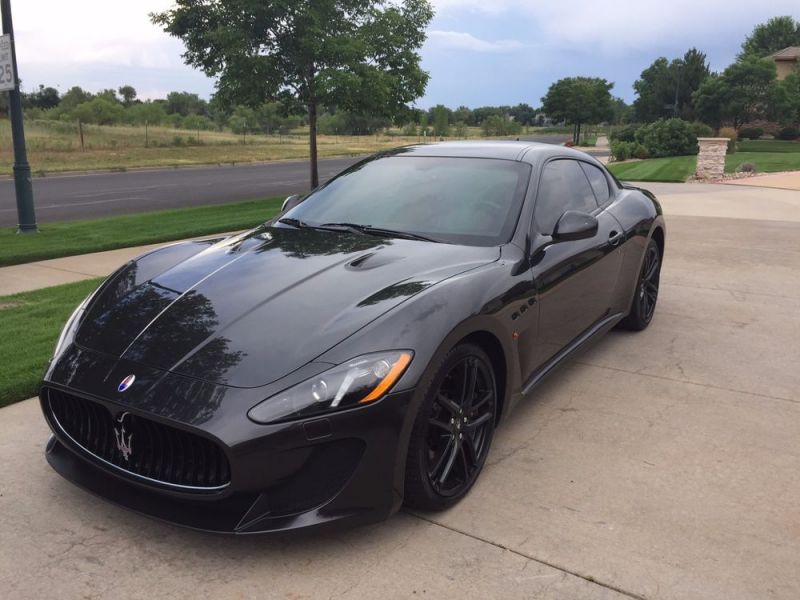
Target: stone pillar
(711,158)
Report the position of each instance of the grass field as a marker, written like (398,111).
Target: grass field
(765,162)
(672,169)
(35,318)
(80,237)
(768,146)
(55,146)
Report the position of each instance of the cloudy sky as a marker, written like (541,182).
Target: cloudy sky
(478,52)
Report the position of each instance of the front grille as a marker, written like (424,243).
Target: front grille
(159,453)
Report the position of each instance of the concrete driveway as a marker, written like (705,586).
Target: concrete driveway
(657,465)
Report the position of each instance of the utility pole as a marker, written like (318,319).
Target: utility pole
(22,170)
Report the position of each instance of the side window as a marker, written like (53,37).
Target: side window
(598,181)
(563,187)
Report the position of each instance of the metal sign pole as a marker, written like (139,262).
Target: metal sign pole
(9,81)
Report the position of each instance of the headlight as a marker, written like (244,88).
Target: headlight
(359,381)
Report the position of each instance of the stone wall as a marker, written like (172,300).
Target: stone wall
(711,158)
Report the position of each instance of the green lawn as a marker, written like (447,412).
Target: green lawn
(79,237)
(768,146)
(765,162)
(31,323)
(675,168)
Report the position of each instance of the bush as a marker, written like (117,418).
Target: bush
(730,133)
(622,150)
(789,133)
(639,151)
(624,134)
(702,130)
(750,133)
(668,137)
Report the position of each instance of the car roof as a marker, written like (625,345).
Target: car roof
(497,149)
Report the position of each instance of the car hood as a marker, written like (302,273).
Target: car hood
(250,309)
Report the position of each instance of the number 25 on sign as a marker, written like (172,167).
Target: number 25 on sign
(7,79)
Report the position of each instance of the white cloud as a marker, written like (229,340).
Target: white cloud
(109,32)
(458,40)
(622,26)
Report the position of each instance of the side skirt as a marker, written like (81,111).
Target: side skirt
(573,348)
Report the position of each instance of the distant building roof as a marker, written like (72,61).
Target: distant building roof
(790,53)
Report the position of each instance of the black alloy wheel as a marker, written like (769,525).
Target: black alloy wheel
(453,433)
(644,303)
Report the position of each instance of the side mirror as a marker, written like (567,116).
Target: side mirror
(574,225)
(291,202)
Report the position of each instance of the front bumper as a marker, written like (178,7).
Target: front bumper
(343,469)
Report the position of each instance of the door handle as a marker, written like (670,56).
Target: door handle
(615,238)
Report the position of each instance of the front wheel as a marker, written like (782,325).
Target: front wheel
(644,303)
(453,430)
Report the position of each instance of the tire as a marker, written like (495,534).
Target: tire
(453,430)
(646,295)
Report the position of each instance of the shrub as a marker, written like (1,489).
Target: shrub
(730,133)
(624,134)
(668,137)
(789,133)
(746,167)
(621,150)
(701,129)
(410,130)
(639,151)
(177,140)
(750,133)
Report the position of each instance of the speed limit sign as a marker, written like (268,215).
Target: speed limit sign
(7,79)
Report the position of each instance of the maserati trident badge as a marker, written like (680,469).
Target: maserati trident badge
(124,443)
(126,383)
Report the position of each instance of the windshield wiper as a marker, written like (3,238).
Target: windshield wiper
(294,223)
(379,231)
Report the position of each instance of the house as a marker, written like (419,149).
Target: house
(786,60)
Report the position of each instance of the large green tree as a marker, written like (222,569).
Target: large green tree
(767,38)
(744,92)
(665,88)
(579,100)
(357,55)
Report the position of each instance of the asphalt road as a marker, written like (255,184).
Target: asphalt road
(62,198)
(68,197)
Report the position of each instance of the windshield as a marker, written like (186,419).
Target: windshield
(470,201)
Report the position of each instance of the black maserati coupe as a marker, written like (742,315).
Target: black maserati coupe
(356,352)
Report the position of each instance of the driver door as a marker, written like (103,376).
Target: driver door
(575,280)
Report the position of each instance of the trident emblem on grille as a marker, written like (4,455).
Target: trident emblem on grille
(124,444)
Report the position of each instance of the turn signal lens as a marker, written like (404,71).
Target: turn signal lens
(360,381)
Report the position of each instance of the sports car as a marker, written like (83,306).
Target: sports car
(357,351)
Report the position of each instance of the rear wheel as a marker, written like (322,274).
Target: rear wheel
(644,302)
(453,430)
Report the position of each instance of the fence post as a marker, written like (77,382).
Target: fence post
(80,130)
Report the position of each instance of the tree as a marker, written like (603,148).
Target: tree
(767,38)
(666,88)
(99,110)
(128,94)
(185,103)
(524,114)
(579,100)
(742,93)
(440,117)
(73,97)
(622,111)
(44,98)
(358,55)
(152,113)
